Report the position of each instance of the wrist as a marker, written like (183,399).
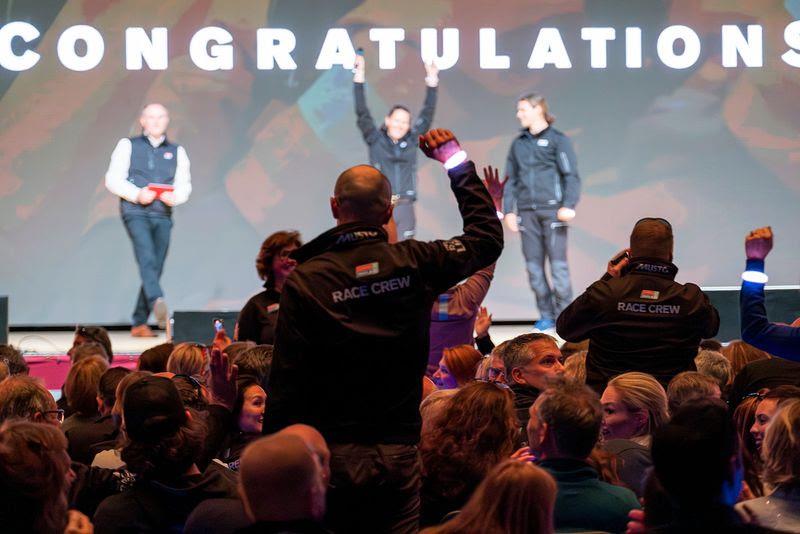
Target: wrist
(455,160)
(432,81)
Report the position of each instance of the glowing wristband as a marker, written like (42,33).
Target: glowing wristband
(501,215)
(757,277)
(455,160)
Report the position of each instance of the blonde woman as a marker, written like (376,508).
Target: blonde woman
(189,359)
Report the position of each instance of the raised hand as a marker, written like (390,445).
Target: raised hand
(431,74)
(758,243)
(494,185)
(482,322)
(359,69)
(223,379)
(439,144)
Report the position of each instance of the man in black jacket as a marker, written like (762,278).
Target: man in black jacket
(357,307)
(391,147)
(637,317)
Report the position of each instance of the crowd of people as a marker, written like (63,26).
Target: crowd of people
(362,393)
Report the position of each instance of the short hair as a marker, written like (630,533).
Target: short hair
(688,386)
(23,396)
(363,193)
(714,364)
(255,361)
(652,238)
(97,334)
(33,477)
(692,452)
(741,353)
(537,99)
(155,358)
(569,348)
(82,385)
(14,359)
(641,392)
(710,344)
(461,361)
(396,107)
(575,366)
(781,447)
(107,387)
(519,352)
(87,350)
(238,347)
(3,370)
(188,359)
(271,246)
(573,415)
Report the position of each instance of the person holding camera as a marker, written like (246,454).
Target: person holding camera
(637,317)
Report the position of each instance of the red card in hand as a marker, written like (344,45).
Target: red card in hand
(160,188)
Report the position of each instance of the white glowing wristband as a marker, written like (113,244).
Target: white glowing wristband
(757,277)
(455,160)
(501,215)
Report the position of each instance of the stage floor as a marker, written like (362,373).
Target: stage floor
(47,343)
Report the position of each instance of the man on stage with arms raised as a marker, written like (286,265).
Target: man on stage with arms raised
(151,175)
(539,201)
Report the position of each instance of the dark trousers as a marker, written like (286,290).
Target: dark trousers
(374,489)
(545,237)
(150,238)
(405,219)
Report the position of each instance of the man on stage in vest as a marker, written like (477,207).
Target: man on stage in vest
(151,175)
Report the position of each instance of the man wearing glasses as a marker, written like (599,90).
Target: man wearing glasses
(151,176)
(637,317)
(25,397)
(539,202)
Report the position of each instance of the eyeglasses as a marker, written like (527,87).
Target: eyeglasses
(494,373)
(499,385)
(58,413)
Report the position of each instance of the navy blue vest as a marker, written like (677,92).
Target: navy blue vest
(149,165)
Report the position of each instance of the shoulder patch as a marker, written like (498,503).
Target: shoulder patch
(454,245)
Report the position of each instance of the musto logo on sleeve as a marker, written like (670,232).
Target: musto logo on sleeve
(375,288)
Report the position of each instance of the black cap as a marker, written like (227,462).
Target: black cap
(152,409)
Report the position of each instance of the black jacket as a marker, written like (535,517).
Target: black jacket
(642,321)
(397,161)
(542,172)
(258,318)
(352,339)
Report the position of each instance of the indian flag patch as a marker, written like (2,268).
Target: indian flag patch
(368,269)
(649,294)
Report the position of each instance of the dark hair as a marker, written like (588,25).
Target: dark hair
(238,347)
(517,352)
(87,350)
(782,393)
(396,107)
(651,238)
(97,334)
(107,389)
(269,248)
(537,99)
(191,392)
(256,362)
(33,477)
(241,387)
(82,384)
(14,359)
(573,415)
(692,453)
(688,386)
(710,344)
(168,458)
(155,358)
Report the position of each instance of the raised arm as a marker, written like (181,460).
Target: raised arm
(364,119)
(425,118)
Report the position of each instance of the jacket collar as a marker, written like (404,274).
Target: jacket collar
(164,141)
(652,267)
(569,469)
(338,237)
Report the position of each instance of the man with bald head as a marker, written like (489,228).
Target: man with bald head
(151,175)
(637,317)
(356,302)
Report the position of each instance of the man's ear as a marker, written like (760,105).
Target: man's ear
(387,216)
(516,376)
(335,208)
(539,435)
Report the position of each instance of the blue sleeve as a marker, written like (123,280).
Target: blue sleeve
(776,339)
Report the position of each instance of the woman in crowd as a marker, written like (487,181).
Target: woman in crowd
(248,417)
(740,354)
(475,432)
(457,366)
(92,334)
(190,359)
(259,315)
(743,417)
(575,366)
(35,476)
(81,388)
(780,510)
(155,358)
(514,498)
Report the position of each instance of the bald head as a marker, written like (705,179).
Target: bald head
(362,194)
(281,480)
(315,442)
(652,238)
(154,119)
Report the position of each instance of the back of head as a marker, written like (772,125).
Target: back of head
(97,334)
(155,358)
(711,344)
(4,373)
(123,384)
(781,447)
(188,359)
(714,364)
(573,415)
(652,238)
(363,194)
(256,361)
(741,353)
(14,359)
(89,350)
(569,348)
(24,396)
(33,477)
(641,392)
(281,480)
(694,454)
(690,386)
(235,349)
(514,498)
(575,367)
(461,361)
(82,385)
(107,387)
